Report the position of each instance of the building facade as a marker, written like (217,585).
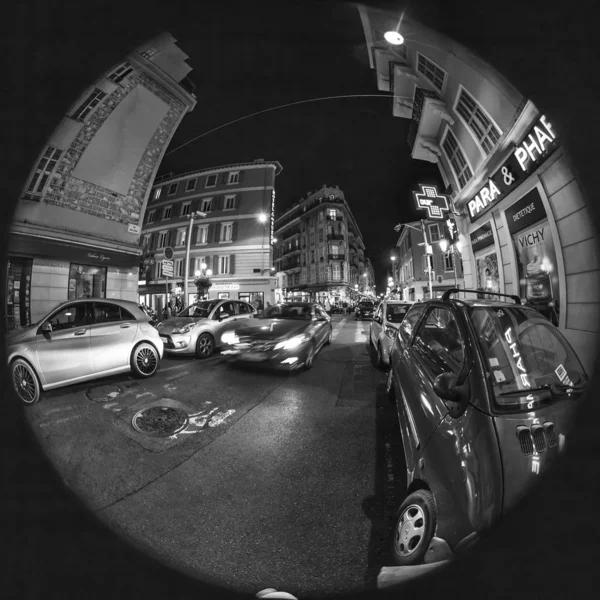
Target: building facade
(233,240)
(320,253)
(523,218)
(410,269)
(76,229)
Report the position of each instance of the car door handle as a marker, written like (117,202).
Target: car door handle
(125,325)
(80,332)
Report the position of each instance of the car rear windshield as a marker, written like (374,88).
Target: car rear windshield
(366,305)
(199,310)
(394,313)
(523,351)
(288,311)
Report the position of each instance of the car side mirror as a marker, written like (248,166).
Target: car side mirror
(47,327)
(444,386)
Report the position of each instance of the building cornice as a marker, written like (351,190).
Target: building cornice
(232,191)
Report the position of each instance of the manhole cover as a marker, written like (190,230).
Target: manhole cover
(160,421)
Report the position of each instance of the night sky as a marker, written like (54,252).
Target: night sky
(265,55)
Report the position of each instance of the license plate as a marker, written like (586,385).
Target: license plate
(164,339)
(254,356)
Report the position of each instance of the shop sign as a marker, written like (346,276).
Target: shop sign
(482,237)
(525,212)
(272,216)
(535,147)
(427,198)
(218,287)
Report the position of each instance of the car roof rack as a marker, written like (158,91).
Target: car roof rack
(451,291)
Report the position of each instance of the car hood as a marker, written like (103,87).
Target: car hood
(23,335)
(271,329)
(177,322)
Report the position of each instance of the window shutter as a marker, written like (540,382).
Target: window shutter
(224,178)
(236,200)
(241,176)
(221,202)
(232,263)
(215,265)
(234,231)
(217,232)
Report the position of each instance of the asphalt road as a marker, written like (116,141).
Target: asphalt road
(278,480)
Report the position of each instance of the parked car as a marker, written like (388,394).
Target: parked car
(486,394)
(386,320)
(287,336)
(81,340)
(197,329)
(364,310)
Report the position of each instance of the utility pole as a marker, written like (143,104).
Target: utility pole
(186,266)
(427,254)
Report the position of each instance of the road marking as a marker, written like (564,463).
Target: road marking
(177,375)
(359,335)
(143,394)
(220,418)
(59,421)
(338,328)
(55,410)
(110,404)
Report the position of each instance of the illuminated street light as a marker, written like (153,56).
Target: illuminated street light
(262,218)
(208,272)
(194,215)
(198,273)
(443,244)
(394,38)
(392,257)
(274,240)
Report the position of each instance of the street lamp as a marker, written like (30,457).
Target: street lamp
(186,266)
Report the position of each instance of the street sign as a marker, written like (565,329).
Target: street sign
(167,268)
(169,253)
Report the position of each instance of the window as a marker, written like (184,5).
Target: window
(157,193)
(439,343)
(202,237)
(43,171)
(180,241)
(167,212)
(431,71)
(178,268)
(87,281)
(185,209)
(206,205)
(332,213)
(312,238)
(434,233)
(120,72)
(162,239)
(146,240)
(75,315)
(411,319)
(448,261)
(223,264)
(233,177)
(336,271)
(244,309)
(173,189)
(335,249)
(320,235)
(477,120)
(312,256)
(151,216)
(110,313)
(149,52)
(229,202)
(226,232)
(190,185)
(88,105)
(211,181)
(456,158)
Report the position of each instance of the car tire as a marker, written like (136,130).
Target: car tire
(329,337)
(25,382)
(310,358)
(389,385)
(144,360)
(414,528)
(380,363)
(205,346)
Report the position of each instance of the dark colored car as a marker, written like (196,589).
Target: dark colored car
(486,394)
(364,310)
(286,336)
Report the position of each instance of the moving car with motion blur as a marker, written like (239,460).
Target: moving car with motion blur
(82,340)
(287,336)
(386,320)
(364,310)
(197,329)
(486,394)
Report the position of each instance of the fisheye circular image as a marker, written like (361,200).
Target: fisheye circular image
(301,299)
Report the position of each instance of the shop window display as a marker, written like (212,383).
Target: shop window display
(17,305)
(87,281)
(488,279)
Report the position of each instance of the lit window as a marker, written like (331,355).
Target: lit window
(157,193)
(202,235)
(162,239)
(211,181)
(335,249)
(456,158)
(434,233)
(448,264)
(206,205)
(223,264)
(233,177)
(167,212)
(120,72)
(173,189)
(88,105)
(476,119)
(185,209)
(229,202)
(190,185)
(336,271)
(226,232)
(43,171)
(431,71)
(151,216)
(332,213)
(180,237)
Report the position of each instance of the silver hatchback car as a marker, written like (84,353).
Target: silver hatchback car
(81,340)
(385,323)
(198,328)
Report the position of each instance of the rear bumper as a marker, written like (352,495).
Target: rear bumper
(281,360)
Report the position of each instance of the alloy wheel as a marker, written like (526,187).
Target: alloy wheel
(410,530)
(205,346)
(146,360)
(25,384)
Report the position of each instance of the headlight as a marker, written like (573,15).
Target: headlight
(390,331)
(230,337)
(291,343)
(184,328)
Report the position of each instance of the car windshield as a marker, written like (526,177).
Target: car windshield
(366,305)
(394,313)
(524,351)
(200,310)
(288,311)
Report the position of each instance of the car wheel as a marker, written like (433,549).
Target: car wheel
(414,529)
(25,382)
(144,360)
(329,337)
(205,346)
(389,386)
(380,362)
(312,351)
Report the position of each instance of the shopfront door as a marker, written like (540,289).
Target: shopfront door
(17,309)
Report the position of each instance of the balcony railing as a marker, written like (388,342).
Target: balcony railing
(287,251)
(288,233)
(338,218)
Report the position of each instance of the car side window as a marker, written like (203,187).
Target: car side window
(108,313)
(75,315)
(244,308)
(439,342)
(410,320)
(321,314)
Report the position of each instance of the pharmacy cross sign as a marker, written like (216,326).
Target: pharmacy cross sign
(435,204)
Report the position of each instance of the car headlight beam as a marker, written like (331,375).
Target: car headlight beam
(291,343)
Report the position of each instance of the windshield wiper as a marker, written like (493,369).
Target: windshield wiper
(554,388)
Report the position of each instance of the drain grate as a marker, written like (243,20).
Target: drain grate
(160,421)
